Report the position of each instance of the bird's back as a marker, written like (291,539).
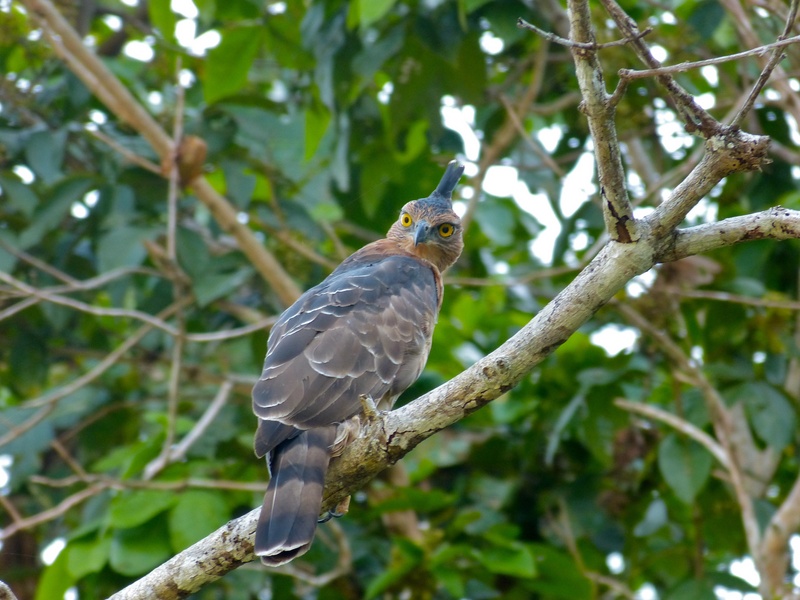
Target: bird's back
(366,329)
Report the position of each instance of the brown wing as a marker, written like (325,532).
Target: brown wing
(366,329)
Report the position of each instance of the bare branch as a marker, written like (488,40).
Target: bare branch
(617,210)
(733,298)
(720,418)
(727,152)
(88,308)
(53,513)
(179,451)
(506,133)
(5,592)
(170,164)
(552,37)
(744,25)
(47,294)
(774,547)
(138,484)
(682,425)
(344,561)
(688,66)
(39,264)
(776,223)
(131,157)
(774,59)
(110,359)
(693,115)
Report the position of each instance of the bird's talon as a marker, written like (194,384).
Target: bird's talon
(332,514)
(371,411)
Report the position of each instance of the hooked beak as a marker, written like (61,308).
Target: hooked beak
(421,233)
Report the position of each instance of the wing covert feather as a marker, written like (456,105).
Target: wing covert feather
(366,329)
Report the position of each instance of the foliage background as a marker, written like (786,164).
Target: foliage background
(321,119)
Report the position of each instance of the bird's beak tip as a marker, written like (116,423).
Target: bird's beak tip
(421,233)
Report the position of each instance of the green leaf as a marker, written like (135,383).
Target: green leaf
(128,459)
(416,141)
(56,580)
(51,212)
(196,514)
(496,221)
(318,118)
(514,559)
(138,550)
(685,465)
(693,589)
(135,507)
(122,247)
(162,17)
(215,285)
(655,517)
(18,195)
(409,556)
(564,419)
(559,577)
(45,153)
(771,414)
(193,254)
(87,555)
(229,63)
(370,11)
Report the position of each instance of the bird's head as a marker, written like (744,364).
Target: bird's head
(428,227)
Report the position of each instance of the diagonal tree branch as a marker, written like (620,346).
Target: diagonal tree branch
(776,223)
(727,152)
(384,441)
(103,84)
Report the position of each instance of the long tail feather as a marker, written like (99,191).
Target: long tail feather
(292,503)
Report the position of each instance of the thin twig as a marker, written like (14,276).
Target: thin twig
(720,418)
(682,425)
(631,74)
(39,264)
(68,459)
(693,115)
(286,238)
(546,159)
(344,562)
(173,387)
(12,511)
(88,308)
(139,484)
(18,307)
(552,37)
(110,359)
(52,513)
(228,334)
(734,298)
(178,452)
(744,24)
(506,133)
(128,155)
(766,72)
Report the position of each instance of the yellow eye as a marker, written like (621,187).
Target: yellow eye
(446,229)
(406,220)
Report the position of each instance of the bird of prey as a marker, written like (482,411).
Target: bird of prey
(363,333)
